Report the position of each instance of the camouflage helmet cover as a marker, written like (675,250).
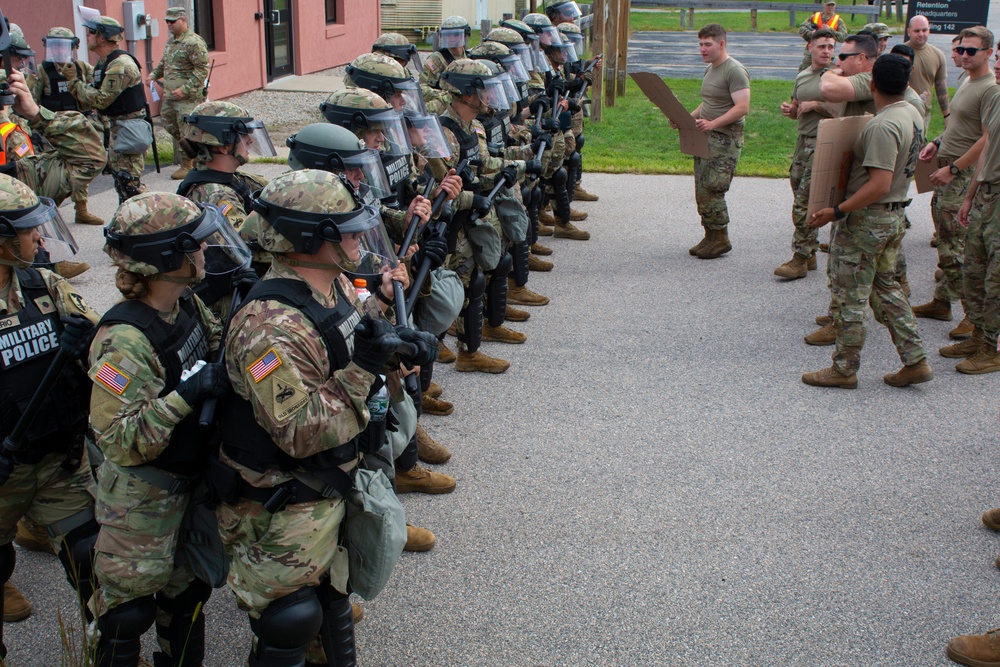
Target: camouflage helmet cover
(536,21)
(108,28)
(392,39)
(147,213)
(520,27)
(355,98)
(21,209)
(18,43)
(880,30)
(456,22)
(65,33)
(571,28)
(506,36)
(395,45)
(195,134)
(490,50)
(378,73)
(464,76)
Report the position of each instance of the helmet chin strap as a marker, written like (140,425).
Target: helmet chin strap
(191,279)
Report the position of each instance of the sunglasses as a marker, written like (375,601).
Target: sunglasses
(845,56)
(968,50)
(170,21)
(91,31)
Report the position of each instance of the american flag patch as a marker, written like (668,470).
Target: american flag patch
(21,150)
(261,368)
(112,378)
(225,208)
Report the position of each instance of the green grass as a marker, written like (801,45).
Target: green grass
(767,21)
(635,137)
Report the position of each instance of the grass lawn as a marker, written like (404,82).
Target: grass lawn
(767,21)
(635,137)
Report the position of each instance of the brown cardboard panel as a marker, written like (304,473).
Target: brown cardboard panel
(923,176)
(832,160)
(692,142)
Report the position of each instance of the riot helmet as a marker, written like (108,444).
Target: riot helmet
(21,213)
(381,74)
(398,47)
(563,11)
(60,44)
(370,117)
(224,124)
(513,40)
(499,53)
(337,149)
(572,32)
(464,77)
(454,33)
(105,27)
(562,51)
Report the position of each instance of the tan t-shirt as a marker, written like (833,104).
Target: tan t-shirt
(717,88)
(892,141)
(864,101)
(965,122)
(917,102)
(990,110)
(807,90)
(929,67)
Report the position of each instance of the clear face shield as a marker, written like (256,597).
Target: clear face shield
(524,52)
(223,250)
(564,53)
(452,38)
(567,12)
(577,42)
(260,140)
(514,66)
(58,49)
(494,94)
(387,130)
(412,101)
(427,137)
(46,228)
(541,61)
(509,89)
(364,248)
(366,167)
(24,61)
(549,35)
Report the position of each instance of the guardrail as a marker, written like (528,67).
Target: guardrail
(872,11)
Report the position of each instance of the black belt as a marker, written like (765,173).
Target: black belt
(891,206)
(337,484)
(990,188)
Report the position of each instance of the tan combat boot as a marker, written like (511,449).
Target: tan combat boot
(434,390)
(965,349)
(357,612)
(502,334)
(187,164)
(435,406)
(812,264)
(522,296)
(537,264)
(546,230)
(991,519)
(825,335)
(823,320)
(32,537)
(418,539)
(479,362)
(987,360)
(545,217)
(577,216)
(795,268)
(824,247)
(912,374)
(68,269)
(539,249)
(976,650)
(579,194)
(963,330)
(15,607)
(717,246)
(935,309)
(831,377)
(512,314)
(696,248)
(570,231)
(430,450)
(419,479)
(85,217)
(445,355)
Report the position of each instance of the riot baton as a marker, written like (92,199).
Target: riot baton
(207,415)
(14,442)
(152,131)
(414,222)
(402,312)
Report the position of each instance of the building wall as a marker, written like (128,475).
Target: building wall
(239,54)
(467,8)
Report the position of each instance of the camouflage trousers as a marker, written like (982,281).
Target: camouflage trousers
(172,113)
(945,203)
(47,494)
(805,240)
(714,174)
(900,273)
(138,548)
(133,164)
(981,271)
(274,555)
(863,256)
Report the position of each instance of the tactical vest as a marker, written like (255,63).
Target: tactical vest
(11,133)
(247,442)
(493,125)
(448,57)
(468,143)
(29,340)
(131,99)
(232,181)
(178,346)
(58,97)
(397,168)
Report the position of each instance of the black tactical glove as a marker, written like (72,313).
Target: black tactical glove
(575,86)
(212,380)
(550,125)
(374,342)
(77,333)
(543,137)
(243,279)
(574,105)
(533,167)
(481,205)
(433,248)
(588,76)
(509,176)
(540,105)
(557,85)
(426,345)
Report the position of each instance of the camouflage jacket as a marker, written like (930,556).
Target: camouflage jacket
(435,98)
(134,427)
(122,73)
(65,299)
(184,65)
(226,198)
(77,159)
(306,406)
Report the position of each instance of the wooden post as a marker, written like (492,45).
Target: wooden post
(533,5)
(611,53)
(598,48)
(690,18)
(753,20)
(625,7)
(484,28)
(683,20)
(791,18)
(899,10)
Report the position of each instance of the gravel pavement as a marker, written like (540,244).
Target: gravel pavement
(651,484)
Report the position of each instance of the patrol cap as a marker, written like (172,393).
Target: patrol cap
(174,13)
(880,30)
(830,2)
(106,27)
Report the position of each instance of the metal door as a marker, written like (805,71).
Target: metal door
(278,32)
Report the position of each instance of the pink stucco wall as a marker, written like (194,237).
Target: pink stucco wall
(240,60)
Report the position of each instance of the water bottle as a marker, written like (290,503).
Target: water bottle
(378,404)
(361,287)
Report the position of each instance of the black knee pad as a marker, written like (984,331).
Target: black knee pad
(580,140)
(121,628)
(472,315)
(519,257)
(77,558)
(186,632)
(337,633)
(559,178)
(289,622)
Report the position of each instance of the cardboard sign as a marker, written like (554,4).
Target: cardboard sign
(692,141)
(923,176)
(832,160)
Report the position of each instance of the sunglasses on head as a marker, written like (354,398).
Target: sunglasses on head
(968,50)
(845,56)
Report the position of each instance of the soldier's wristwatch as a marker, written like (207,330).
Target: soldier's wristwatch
(955,171)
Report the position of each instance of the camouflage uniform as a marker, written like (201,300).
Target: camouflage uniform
(184,65)
(804,239)
(981,278)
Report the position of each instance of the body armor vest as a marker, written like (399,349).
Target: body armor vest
(397,168)
(247,442)
(178,346)
(493,126)
(29,340)
(233,181)
(131,99)
(58,97)
(468,143)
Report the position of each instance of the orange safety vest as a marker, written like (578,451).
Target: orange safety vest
(817,20)
(11,134)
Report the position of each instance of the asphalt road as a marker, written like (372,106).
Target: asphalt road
(651,484)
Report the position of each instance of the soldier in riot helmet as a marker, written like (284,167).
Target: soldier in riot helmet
(48,478)
(399,48)
(453,37)
(304,355)
(579,75)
